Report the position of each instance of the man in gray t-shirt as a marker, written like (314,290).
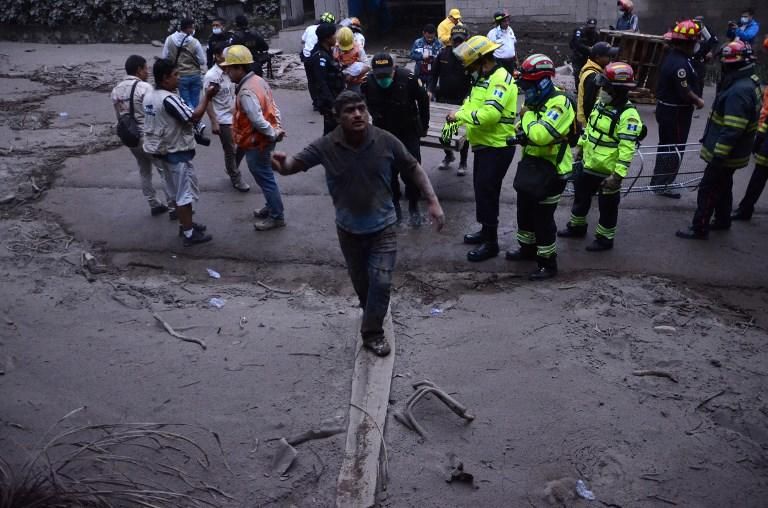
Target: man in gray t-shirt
(359,160)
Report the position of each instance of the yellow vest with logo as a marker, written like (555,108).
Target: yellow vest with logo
(489,113)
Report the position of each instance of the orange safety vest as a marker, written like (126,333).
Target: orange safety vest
(243,133)
(347,58)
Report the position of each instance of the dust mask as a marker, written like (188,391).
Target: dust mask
(216,30)
(743,20)
(385,82)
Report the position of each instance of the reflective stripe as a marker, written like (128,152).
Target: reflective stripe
(552,131)
(605,192)
(628,137)
(578,221)
(763,128)
(495,104)
(474,118)
(624,163)
(761,159)
(607,144)
(550,200)
(507,120)
(735,121)
(546,251)
(608,233)
(508,78)
(482,84)
(526,237)
(721,149)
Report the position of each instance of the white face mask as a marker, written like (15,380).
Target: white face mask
(744,20)
(216,30)
(605,97)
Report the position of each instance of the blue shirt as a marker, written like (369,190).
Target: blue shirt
(746,33)
(359,178)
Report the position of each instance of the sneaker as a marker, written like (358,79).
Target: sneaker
(741,214)
(240,185)
(195,226)
(269,223)
(449,157)
(263,213)
(379,346)
(158,210)
(691,234)
(462,171)
(197,237)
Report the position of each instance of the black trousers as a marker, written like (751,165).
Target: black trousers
(674,126)
(585,186)
(510,64)
(310,77)
(715,196)
(536,228)
(329,123)
(413,145)
(754,189)
(490,168)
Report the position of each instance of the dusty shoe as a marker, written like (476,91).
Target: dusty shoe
(269,223)
(691,234)
(462,171)
(486,250)
(475,238)
(668,194)
(263,213)
(379,346)
(741,214)
(158,210)
(449,157)
(197,237)
(600,244)
(195,226)
(543,273)
(240,185)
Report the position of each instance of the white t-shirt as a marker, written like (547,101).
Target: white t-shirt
(507,40)
(224,100)
(309,38)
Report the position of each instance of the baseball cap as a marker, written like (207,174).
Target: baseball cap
(382,64)
(591,22)
(455,13)
(603,49)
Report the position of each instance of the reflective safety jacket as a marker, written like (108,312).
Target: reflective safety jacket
(605,152)
(730,133)
(489,113)
(546,129)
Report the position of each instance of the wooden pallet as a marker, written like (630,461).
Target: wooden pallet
(437,114)
(644,53)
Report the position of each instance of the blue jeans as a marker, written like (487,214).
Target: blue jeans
(370,263)
(190,88)
(260,166)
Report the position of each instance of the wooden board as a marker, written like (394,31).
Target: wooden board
(437,113)
(371,382)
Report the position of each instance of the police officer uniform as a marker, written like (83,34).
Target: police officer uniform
(582,40)
(328,82)
(401,108)
(674,112)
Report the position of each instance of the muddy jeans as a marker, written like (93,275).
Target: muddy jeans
(370,263)
(146,162)
(232,154)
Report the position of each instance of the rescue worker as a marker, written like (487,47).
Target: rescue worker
(423,53)
(760,174)
(503,34)
(218,36)
(399,104)
(446,25)
(582,40)
(703,53)
(328,80)
(489,116)
(627,21)
(357,30)
(451,84)
(253,41)
(675,100)
(728,139)
(256,128)
(187,55)
(352,58)
(607,148)
(309,39)
(746,29)
(545,166)
(600,56)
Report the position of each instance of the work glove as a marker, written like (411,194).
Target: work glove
(450,129)
(759,140)
(612,183)
(519,139)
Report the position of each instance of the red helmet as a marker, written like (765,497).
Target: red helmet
(537,67)
(765,43)
(736,51)
(687,30)
(620,74)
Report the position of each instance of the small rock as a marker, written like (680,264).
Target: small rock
(669,330)
(284,458)
(716,363)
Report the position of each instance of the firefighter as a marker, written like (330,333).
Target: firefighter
(451,84)
(606,148)
(489,116)
(399,104)
(675,100)
(546,164)
(582,40)
(328,80)
(760,174)
(728,139)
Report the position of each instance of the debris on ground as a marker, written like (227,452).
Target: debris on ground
(655,373)
(314,434)
(213,273)
(217,302)
(583,491)
(423,388)
(456,472)
(558,492)
(180,336)
(284,457)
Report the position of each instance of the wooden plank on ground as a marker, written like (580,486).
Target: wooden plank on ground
(371,381)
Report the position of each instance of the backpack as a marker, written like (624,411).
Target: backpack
(127,127)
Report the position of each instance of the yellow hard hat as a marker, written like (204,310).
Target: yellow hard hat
(468,52)
(237,55)
(346,38)
(455,13)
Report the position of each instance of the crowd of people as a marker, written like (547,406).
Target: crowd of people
(376,112)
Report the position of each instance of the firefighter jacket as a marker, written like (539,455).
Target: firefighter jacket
(610,139)
(402,108)
(730,133)
(328,78)
(244,133)
(490,111)
(588,90)
(546,129)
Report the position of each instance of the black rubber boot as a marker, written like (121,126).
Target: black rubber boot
(741,214)
(524,253)
(600,244)
(547,269)
(475,238)
(573,231)
(488,249)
